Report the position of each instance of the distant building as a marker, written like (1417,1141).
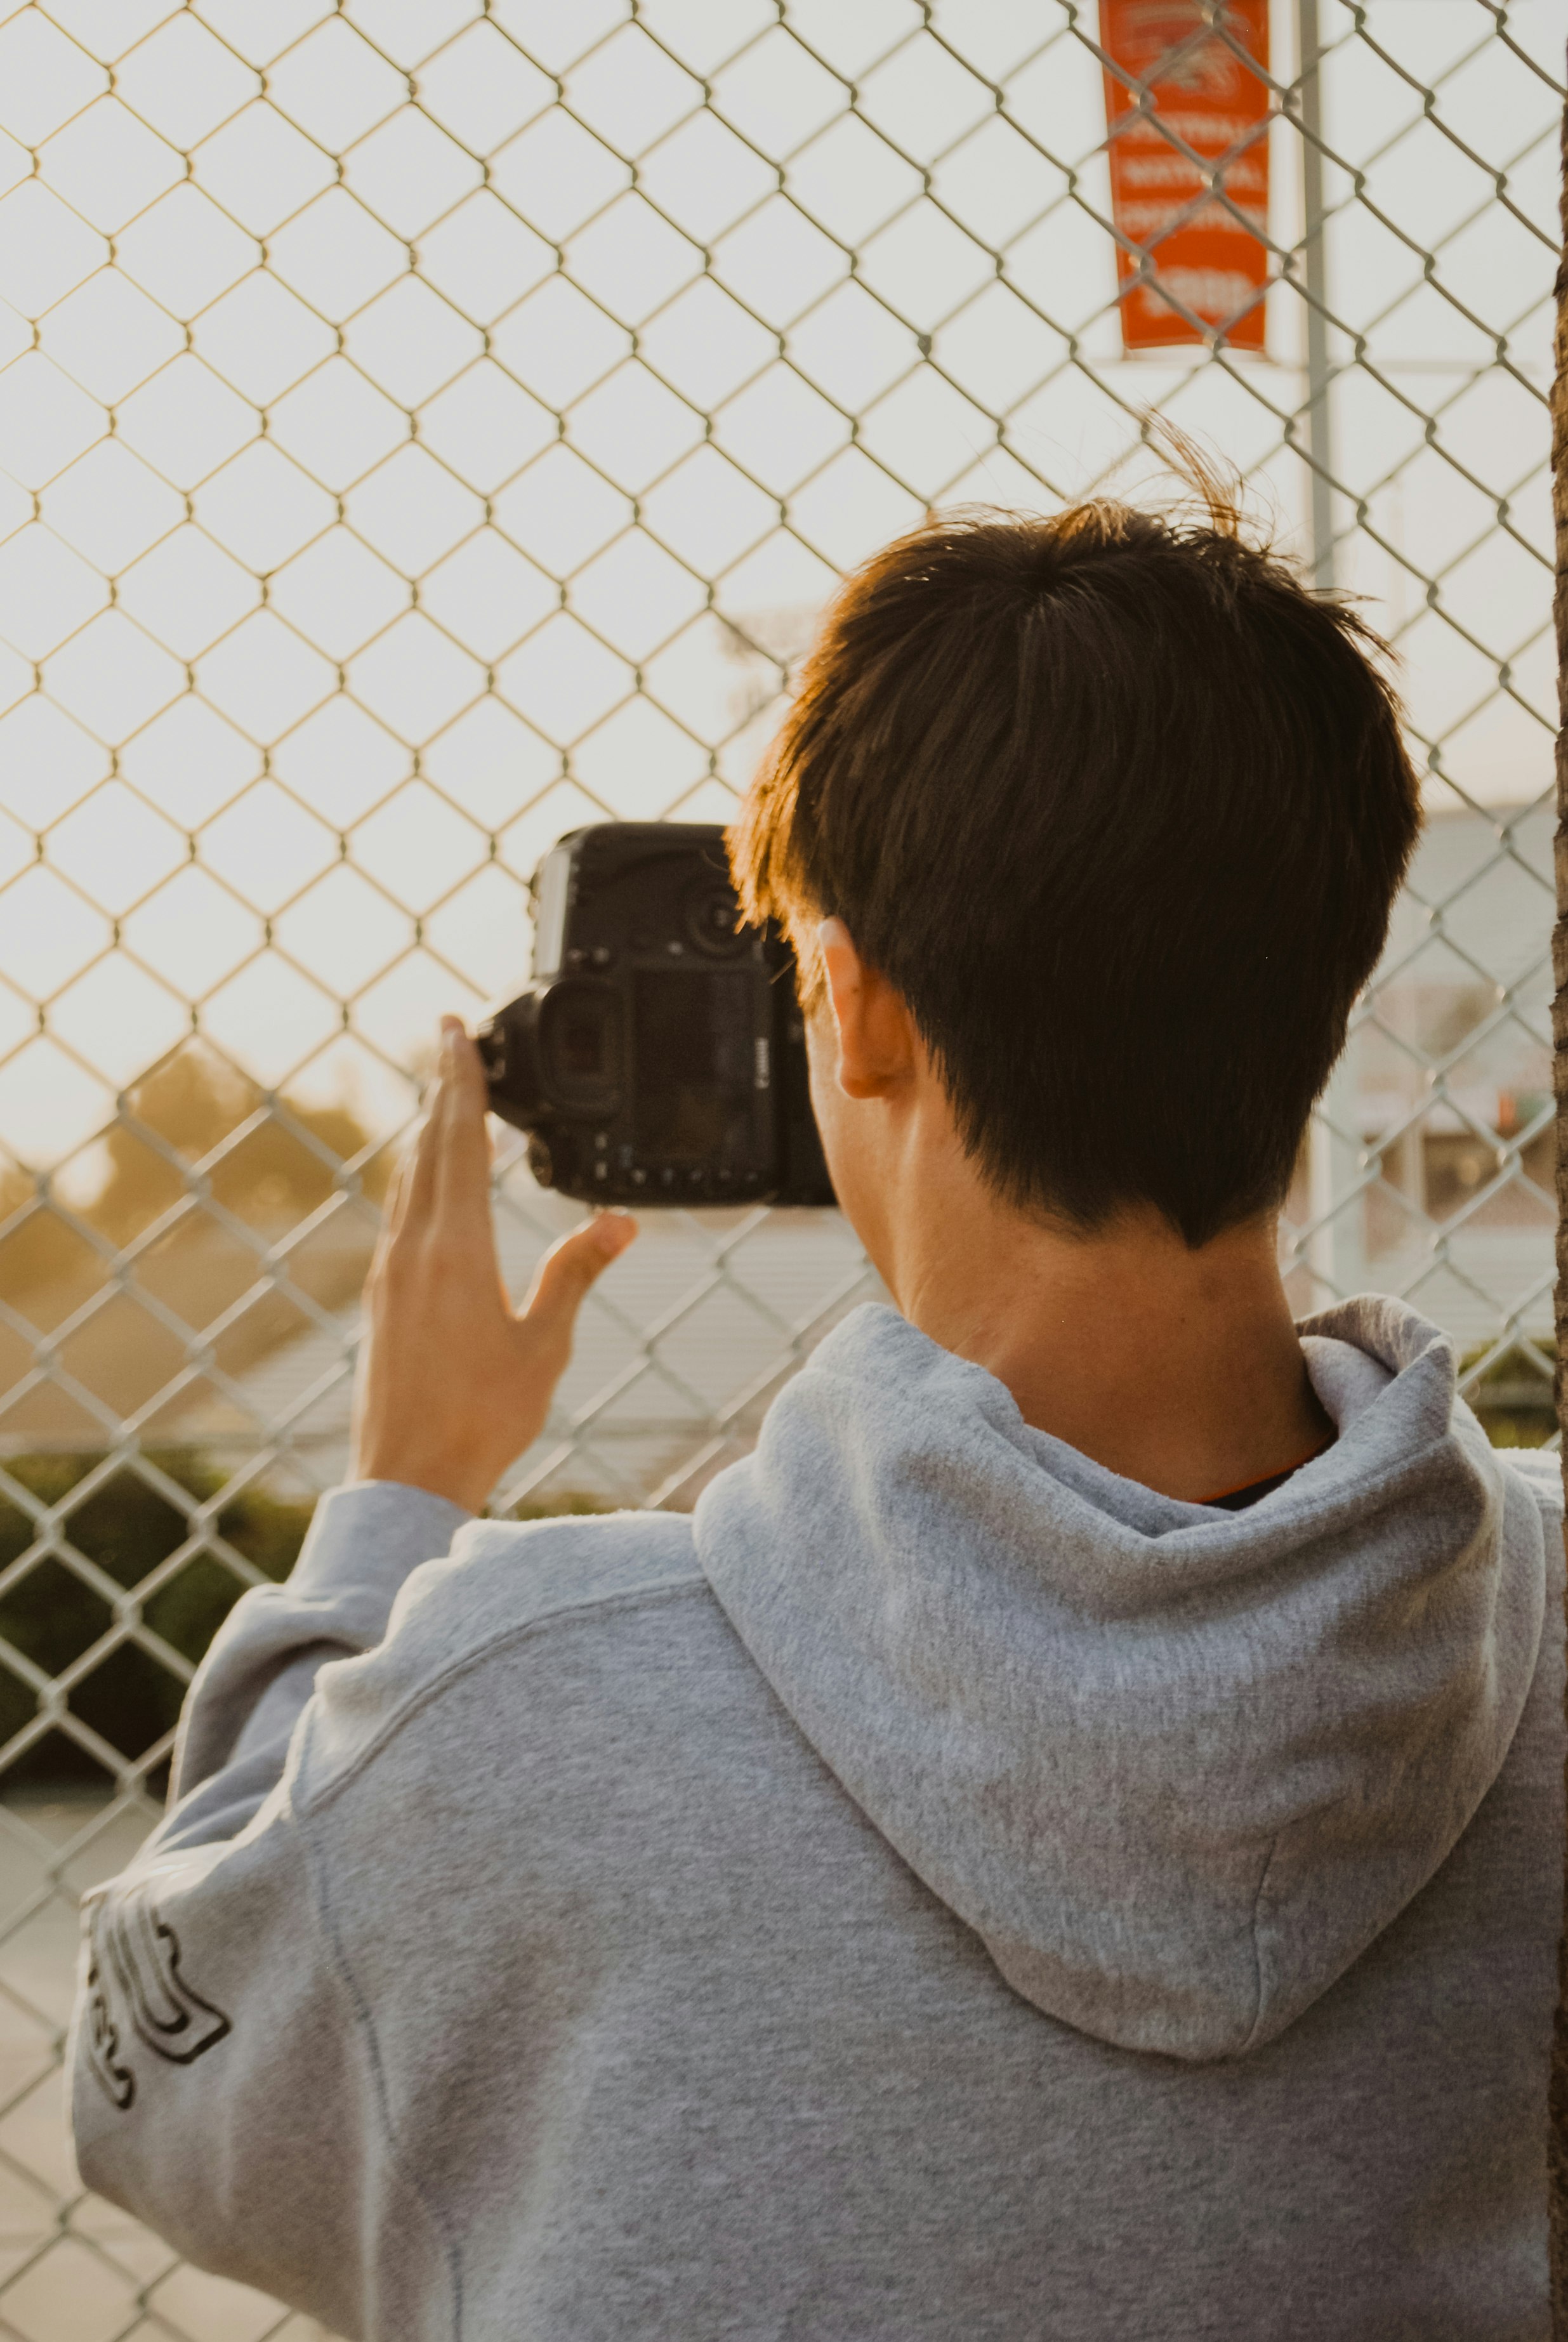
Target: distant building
(1444,1104)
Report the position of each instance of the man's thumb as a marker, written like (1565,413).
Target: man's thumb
(571,1267)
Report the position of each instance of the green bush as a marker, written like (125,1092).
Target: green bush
(126,1528)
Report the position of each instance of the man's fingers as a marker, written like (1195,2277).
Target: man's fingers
(446,1189)
(570,1267)
(417,1192)
(393,1208)
(463,1150)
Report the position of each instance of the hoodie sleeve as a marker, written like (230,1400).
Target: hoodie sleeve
(365,1542)
(221,2089)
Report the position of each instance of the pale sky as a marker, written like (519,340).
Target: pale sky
(315,611)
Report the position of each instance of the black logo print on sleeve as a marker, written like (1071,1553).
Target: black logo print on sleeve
(134,1965)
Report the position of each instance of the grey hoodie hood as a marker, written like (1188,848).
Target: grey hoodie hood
(1176,1768)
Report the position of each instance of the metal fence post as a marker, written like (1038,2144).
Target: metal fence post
(1558,2096)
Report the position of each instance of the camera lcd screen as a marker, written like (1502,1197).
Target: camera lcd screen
(695,1065)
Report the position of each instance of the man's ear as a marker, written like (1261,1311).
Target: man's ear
(876,1048)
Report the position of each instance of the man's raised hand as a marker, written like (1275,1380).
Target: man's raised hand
(453,1384)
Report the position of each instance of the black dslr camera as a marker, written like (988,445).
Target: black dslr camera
(658,1056)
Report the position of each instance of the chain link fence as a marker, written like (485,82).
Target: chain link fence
(428,425)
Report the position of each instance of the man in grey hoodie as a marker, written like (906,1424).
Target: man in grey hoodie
(1064,1840)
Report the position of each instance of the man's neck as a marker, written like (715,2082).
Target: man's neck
(1177,1368)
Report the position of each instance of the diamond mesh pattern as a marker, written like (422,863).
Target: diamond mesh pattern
(426,426)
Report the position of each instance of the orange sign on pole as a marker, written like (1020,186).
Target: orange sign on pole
(1198,103)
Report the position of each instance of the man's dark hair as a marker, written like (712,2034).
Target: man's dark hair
(1120,808)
